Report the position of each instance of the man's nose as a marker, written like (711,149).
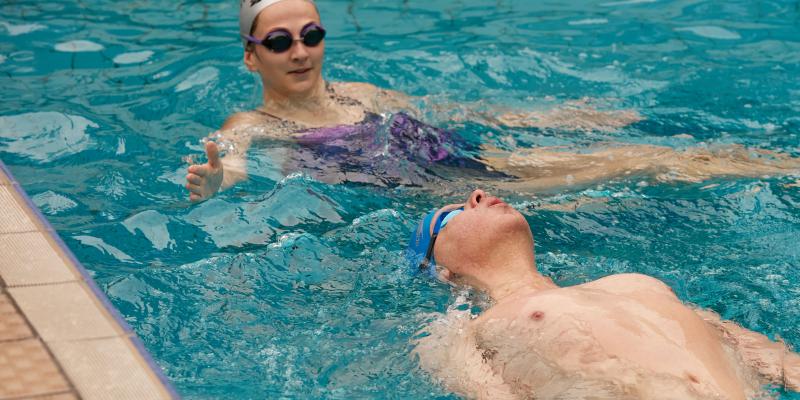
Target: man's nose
(475,198)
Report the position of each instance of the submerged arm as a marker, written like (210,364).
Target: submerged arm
(772,360)
(573,115)
(549,167)
(579,115)
(450,354)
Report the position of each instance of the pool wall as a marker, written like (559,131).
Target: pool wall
(60,337)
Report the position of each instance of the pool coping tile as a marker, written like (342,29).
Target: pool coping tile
(13,218)
(64,311)
(107,369)
(4,180)
(36,262)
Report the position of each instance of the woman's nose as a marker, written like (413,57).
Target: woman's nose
(299,52)
(475,198)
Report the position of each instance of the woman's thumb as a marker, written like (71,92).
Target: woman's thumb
(212,152)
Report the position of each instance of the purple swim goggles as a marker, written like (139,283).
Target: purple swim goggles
(281,40)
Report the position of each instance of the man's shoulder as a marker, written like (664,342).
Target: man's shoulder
(629,283)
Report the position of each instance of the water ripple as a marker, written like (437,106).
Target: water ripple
(285,286)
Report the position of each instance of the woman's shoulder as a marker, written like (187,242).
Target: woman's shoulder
(376,99)
(355,89)
(246,119)
(249,125)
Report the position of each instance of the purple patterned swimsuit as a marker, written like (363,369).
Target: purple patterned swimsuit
(397,151)
(406,137)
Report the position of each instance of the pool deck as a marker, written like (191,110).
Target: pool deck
(60,337)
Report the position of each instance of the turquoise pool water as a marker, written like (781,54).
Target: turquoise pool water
(290,287)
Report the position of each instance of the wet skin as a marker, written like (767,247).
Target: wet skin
(619,337)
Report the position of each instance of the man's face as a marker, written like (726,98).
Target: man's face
(474,237)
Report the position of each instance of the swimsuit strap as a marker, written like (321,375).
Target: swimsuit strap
(290,125)
(343,100)
(273,116)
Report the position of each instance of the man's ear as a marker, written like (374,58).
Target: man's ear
(446,275)
(250,60)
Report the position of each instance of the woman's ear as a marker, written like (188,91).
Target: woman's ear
(250,59)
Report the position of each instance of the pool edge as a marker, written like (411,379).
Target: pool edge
(124,333)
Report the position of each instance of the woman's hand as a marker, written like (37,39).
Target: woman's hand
(203,181)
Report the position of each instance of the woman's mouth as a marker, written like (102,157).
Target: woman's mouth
(300,71)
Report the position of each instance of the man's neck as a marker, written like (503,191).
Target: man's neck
(514,284)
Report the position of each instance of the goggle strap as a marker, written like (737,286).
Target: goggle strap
(428,253)
(437,226)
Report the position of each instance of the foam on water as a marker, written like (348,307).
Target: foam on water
(133,57)
(45,136)
(78,46)
(15,30)
(711,32)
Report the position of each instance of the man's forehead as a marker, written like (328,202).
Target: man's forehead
(449,207)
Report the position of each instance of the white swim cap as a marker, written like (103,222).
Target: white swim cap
(248,11)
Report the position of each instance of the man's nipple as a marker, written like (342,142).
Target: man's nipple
(537,315)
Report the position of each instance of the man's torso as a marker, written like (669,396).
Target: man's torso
(623,336)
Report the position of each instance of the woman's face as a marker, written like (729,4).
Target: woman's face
(297,71)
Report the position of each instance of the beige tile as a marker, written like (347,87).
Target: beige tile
(12,217)
(5,303)
(61,396)
(29,259)
(65,311)
(13,327)
(107,369)
(26,369)
(4,180)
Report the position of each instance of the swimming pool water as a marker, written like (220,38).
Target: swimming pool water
(289,287)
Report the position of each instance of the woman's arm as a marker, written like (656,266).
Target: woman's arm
(574,115)
(219,173)
(549,167)
(579,115)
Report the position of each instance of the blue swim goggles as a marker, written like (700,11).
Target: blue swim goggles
(420,247)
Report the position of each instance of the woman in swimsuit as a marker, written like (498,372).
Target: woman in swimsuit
(342,124)
(284,44)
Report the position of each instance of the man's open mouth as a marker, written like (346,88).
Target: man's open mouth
(495,201)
